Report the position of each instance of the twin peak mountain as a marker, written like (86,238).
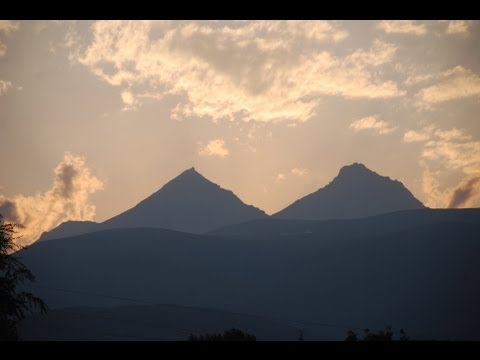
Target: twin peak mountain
(192,203)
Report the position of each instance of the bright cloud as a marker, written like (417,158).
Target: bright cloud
(372,123)
(3,49)
(265,71)
(68,199)
(455,83)
(414,136)
(214,148)
(402,27)
(129,101)
(299,171)
(9,26)
(458,26)
(4,86)
(448,151)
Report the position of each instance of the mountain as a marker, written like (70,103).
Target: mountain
(146,322)
(70,228)
(421,276)
(189,203)
(355,192)
(349,228)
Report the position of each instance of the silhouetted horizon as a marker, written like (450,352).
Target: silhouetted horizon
(192,203)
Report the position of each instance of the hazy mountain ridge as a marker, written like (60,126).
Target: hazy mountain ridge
(368,226)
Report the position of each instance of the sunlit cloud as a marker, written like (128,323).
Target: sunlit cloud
(129,101)
(414,136)
(448,151)
(68,199)
(293,174)
(299,172)
(402,27)
(254,71)
(4,86)
(3,49)
(456,27)
(216,148)
(455,83)
(416,79)
(372,123)
(9,26)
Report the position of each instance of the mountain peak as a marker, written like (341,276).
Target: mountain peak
(355,168)
(189,202)
(190,171)
(355,192)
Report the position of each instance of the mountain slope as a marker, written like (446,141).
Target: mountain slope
(70,228)
(147,323)
(189,203)
(423,278)
(355,192)
(344,228)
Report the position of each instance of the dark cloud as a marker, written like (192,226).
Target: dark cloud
(65,177)
(465,192)
(8,210)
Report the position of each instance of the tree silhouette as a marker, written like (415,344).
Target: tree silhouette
(13,304)
(228,335)
(381,335)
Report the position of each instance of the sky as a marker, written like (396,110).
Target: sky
(97,115)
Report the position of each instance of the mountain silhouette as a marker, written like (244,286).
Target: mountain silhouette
(355,192)
(70,228)
(188,203)
(421,275)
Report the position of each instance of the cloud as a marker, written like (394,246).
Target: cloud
(431,132)
(129,101)
(264,71)
(452,134)
(454,153)
(416,79)
(299,172)
(214,148)
(3,49)
(465,192)
(414,136)
(402,27)
(68,199)
(4,86)
(8,209)
(372,123)
(454,83)
(9,26)
(447,154)
(435,196)
(457,27)
(280,177)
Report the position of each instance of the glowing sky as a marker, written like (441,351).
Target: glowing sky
(95,116)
